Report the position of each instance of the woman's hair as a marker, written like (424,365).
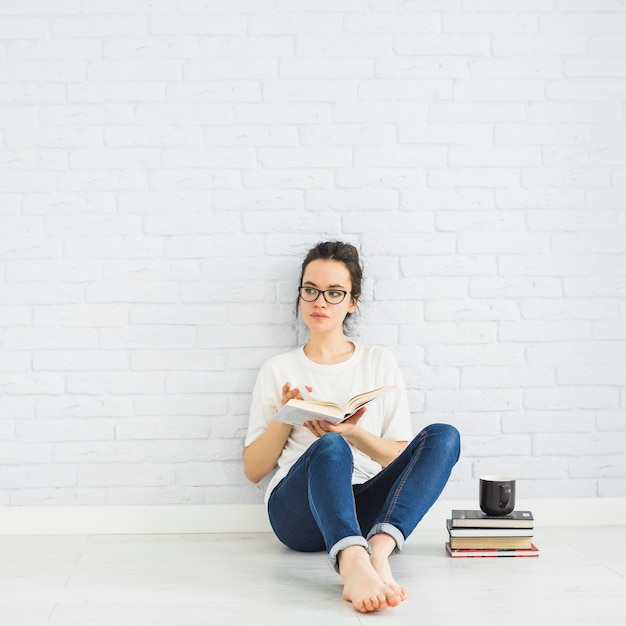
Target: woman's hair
(344,253)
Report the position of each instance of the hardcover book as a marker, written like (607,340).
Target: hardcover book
(463,531)
(299,411)
(503,543)
(470,518)
(491,553)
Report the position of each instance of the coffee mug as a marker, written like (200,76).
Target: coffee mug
(497,495)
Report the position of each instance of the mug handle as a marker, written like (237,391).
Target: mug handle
(505,495)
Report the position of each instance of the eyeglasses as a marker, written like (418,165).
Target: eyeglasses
(332,296)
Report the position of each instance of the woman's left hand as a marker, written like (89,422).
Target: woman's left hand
(320,428)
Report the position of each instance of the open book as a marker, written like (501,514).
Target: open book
(300,411)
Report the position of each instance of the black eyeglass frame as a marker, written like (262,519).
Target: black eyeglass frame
(323,292)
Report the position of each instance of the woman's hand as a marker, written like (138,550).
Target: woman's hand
(289,394)
(321,427)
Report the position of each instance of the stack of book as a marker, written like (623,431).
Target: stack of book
(474,534)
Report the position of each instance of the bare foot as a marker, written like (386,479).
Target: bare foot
(362,584)
(382,547)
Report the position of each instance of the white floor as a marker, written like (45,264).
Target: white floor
(233,579)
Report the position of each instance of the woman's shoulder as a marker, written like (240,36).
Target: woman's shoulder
(376,353)
(282,359)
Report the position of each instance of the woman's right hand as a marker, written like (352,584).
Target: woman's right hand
(289,394)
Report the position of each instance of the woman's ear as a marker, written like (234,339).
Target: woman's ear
(354,301)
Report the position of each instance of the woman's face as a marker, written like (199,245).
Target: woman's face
(320,316)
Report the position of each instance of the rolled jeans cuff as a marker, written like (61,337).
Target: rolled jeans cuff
(390,530)
(342,544)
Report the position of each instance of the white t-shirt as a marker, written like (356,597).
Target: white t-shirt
(368,367)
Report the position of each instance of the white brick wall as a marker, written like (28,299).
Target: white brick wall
(164,164)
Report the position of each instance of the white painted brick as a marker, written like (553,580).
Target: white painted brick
(150,48)
(607,46)
(99,26)
(487,22)
(538,331)
(583,23)
(474,177)
(596,375)
(80,360)
(480,221)
(576,112)
(94,159)
(352,200)
(153,335)
(579,444)
(98,452)
(576,353)
(423,67)
(441,333)
(590,287)
(28,338)
(111,248)
(62,203)
(197,24)
(99,180)
(327,68)
(16,410)
(463,310)
(56,427)
(169,359)
(385,220)
(403,244)
(23,26)
(555,45)
(303,24)
(568,309)
(13,453)
(511,377)
(256,201)
(535,468)
(200,405)
(227,69)
(543,196)
(526,287)
(83,315)
(14,361)
(274,221)
(566,421)
(32,476)
(309,90)
(363,111)
(123,474)
(559,398)
(373,178)
(505,242)
(122,383)
(475,354)
(34,384)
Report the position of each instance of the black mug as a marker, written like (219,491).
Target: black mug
(497,495)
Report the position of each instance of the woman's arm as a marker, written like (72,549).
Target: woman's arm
(259,458)
(383,451)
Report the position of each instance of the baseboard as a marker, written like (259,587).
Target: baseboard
(252,518)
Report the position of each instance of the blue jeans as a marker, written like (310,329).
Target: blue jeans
(316,507)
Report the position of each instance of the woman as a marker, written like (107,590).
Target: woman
(359,488)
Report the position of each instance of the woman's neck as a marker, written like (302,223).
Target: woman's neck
(328,351)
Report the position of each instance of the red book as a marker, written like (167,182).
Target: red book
(490,552)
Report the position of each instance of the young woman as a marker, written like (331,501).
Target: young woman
(359,488)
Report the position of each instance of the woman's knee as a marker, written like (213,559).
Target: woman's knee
(448,438)
(331,444)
